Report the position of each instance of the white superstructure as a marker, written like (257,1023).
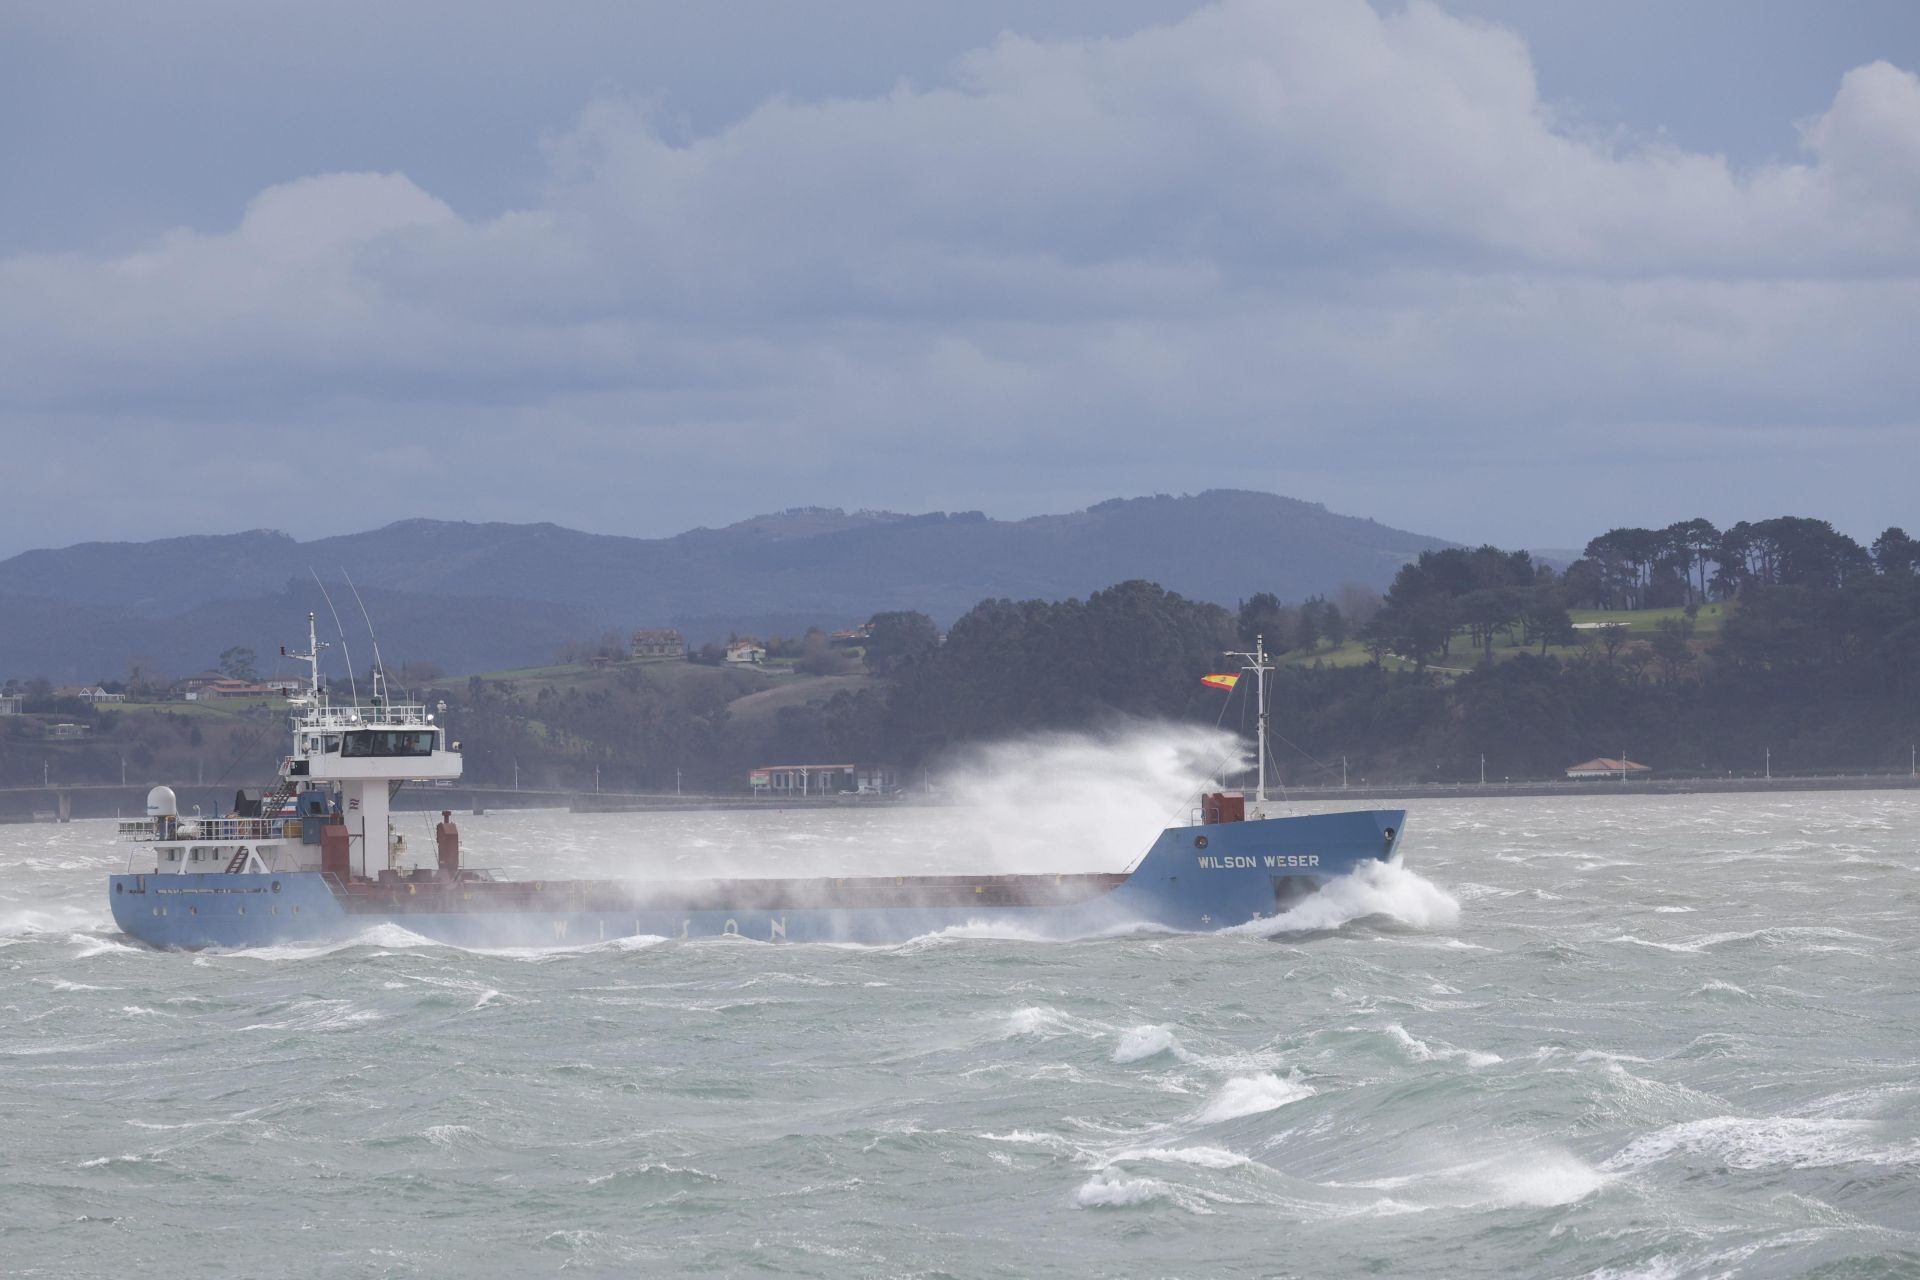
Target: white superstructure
(347,761)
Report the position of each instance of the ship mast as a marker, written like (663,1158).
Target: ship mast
(312,658)
(1257,663)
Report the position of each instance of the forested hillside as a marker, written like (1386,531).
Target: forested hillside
(1689,649)
(1815,659)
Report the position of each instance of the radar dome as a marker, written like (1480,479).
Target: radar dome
(161,804)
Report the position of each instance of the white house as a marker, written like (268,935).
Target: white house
(88,693)
(11,704)
(746,653)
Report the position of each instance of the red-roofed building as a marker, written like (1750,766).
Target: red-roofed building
(1604,767)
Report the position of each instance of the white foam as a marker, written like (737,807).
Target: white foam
(1046,1022)
(1142,1043)
(631,942)
(1029,1138)
(48,918)
(1372,889)
(1543,1178)
(1251,1095)
(1789,1142)
(1774,935)
(108,1161)
(971,931)
(1108,1190)
(1539,1176)
(92,945)
(386,935)
(1420,1051)
(1204,1157)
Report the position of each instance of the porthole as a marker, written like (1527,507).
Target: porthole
(193,911)
(119,888)
(276,886)
(1199,842)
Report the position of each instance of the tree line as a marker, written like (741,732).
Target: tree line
(1817,657)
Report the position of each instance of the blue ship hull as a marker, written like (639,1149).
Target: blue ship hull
(1193,879)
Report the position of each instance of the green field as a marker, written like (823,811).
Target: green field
(1644,622)
(1640,623)
(213,709)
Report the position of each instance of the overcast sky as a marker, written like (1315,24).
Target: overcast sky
(1507,270)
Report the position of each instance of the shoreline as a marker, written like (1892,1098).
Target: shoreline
(28,805)
(1603,787)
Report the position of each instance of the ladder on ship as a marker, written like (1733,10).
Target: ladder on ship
(270,806)
(276,799)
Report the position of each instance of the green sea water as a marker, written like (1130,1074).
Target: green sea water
(1656,1037)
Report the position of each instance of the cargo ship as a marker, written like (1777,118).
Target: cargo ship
(316,859)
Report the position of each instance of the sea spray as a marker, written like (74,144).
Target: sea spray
(1372,889)
(1251,1095)
(1081,802)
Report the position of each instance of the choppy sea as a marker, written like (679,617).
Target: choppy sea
(1655,1037)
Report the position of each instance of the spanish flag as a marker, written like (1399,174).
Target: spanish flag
(1220,682)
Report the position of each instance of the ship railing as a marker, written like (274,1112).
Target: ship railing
(364,717)
(210,830)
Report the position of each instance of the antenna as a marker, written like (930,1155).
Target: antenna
(347,653)
(380,690)
(1258,664)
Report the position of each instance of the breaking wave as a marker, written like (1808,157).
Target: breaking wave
(1142,1043)
(1372,890)
(1777,1142)
(1251,1095)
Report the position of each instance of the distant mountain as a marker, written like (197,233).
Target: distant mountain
(68,643)
(500,594)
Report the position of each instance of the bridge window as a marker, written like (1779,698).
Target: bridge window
(365,743)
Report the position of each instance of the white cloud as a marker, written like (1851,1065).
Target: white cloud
(1306,230)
